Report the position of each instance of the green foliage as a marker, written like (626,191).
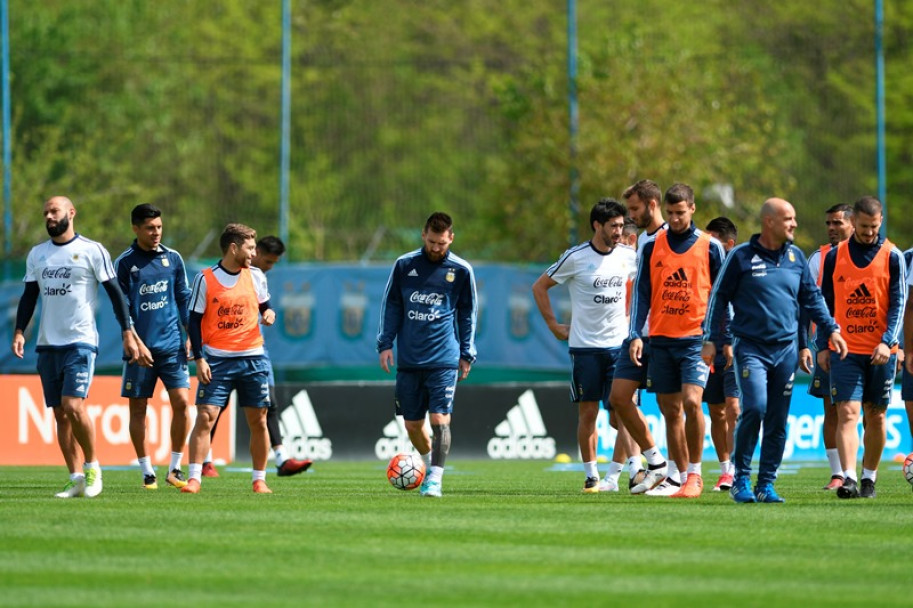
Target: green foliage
(403,108)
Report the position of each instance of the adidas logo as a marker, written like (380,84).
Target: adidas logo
(522,434)
(134,269)
(861,295)
(677,279)
(412,273)
(80,388)
(396,439)
(301,430)
(757,259)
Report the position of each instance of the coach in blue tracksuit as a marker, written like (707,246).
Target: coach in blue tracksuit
(766,280)
(429,309)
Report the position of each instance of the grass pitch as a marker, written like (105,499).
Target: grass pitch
(504,534)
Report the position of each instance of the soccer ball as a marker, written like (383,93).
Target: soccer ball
(908,467)
(406,471)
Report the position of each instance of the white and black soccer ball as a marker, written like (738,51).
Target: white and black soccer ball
(406,471)
(908,468)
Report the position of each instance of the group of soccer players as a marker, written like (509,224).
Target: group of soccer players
(162,319)
(692,316)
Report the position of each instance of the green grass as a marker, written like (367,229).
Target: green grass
(505,534)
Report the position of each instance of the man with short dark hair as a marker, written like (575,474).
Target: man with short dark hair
(863,281)
(269,250)
(722,391)
(429,309)
(153,279)
(597,274)
(226,303)
(838,220)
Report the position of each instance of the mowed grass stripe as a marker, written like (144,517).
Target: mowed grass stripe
(505,533)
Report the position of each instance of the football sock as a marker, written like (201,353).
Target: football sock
(93,465)
(257,476)
(653,456)
(77,476)
(435,473)
(146,466)
(440,444)
(208,456)
(694,468)
(590,469)
(848,474)
(724,466)
(195,471)
(176,458)
(672,472)
(426,458)
(635,464)
(614,471)
(833,459)
(280,455)
(869,474)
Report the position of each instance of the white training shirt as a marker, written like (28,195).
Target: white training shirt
(68,277)
(598,284)
(198,302)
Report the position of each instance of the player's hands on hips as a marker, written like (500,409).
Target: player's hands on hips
(386,360)
(805,360)
(708,353)
(636,350)
(465,366)
(839,345)
(268,317)
(18,345)
(881,354)
(204,374)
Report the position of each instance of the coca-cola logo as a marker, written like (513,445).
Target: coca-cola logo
(429,299)
(861,312)
(234,309)
(603,282)
(157,287)
(56,273)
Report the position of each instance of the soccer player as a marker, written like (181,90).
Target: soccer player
(269,250)
(65,272)
(429,309)
(674,277)
(597,274)
(839,228)
(863,281)
(629,234)
(722,391)
(226,302)
(153,278)
(766,280)
(642,200)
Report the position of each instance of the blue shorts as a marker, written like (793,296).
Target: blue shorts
(820,384)
(675,364)
(247,375)
(856,379)
(65,372)
(721,384)
(592,373)
(139,382)
(625,368)
(421,391)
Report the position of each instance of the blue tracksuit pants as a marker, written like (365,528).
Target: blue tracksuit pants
(765,373)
